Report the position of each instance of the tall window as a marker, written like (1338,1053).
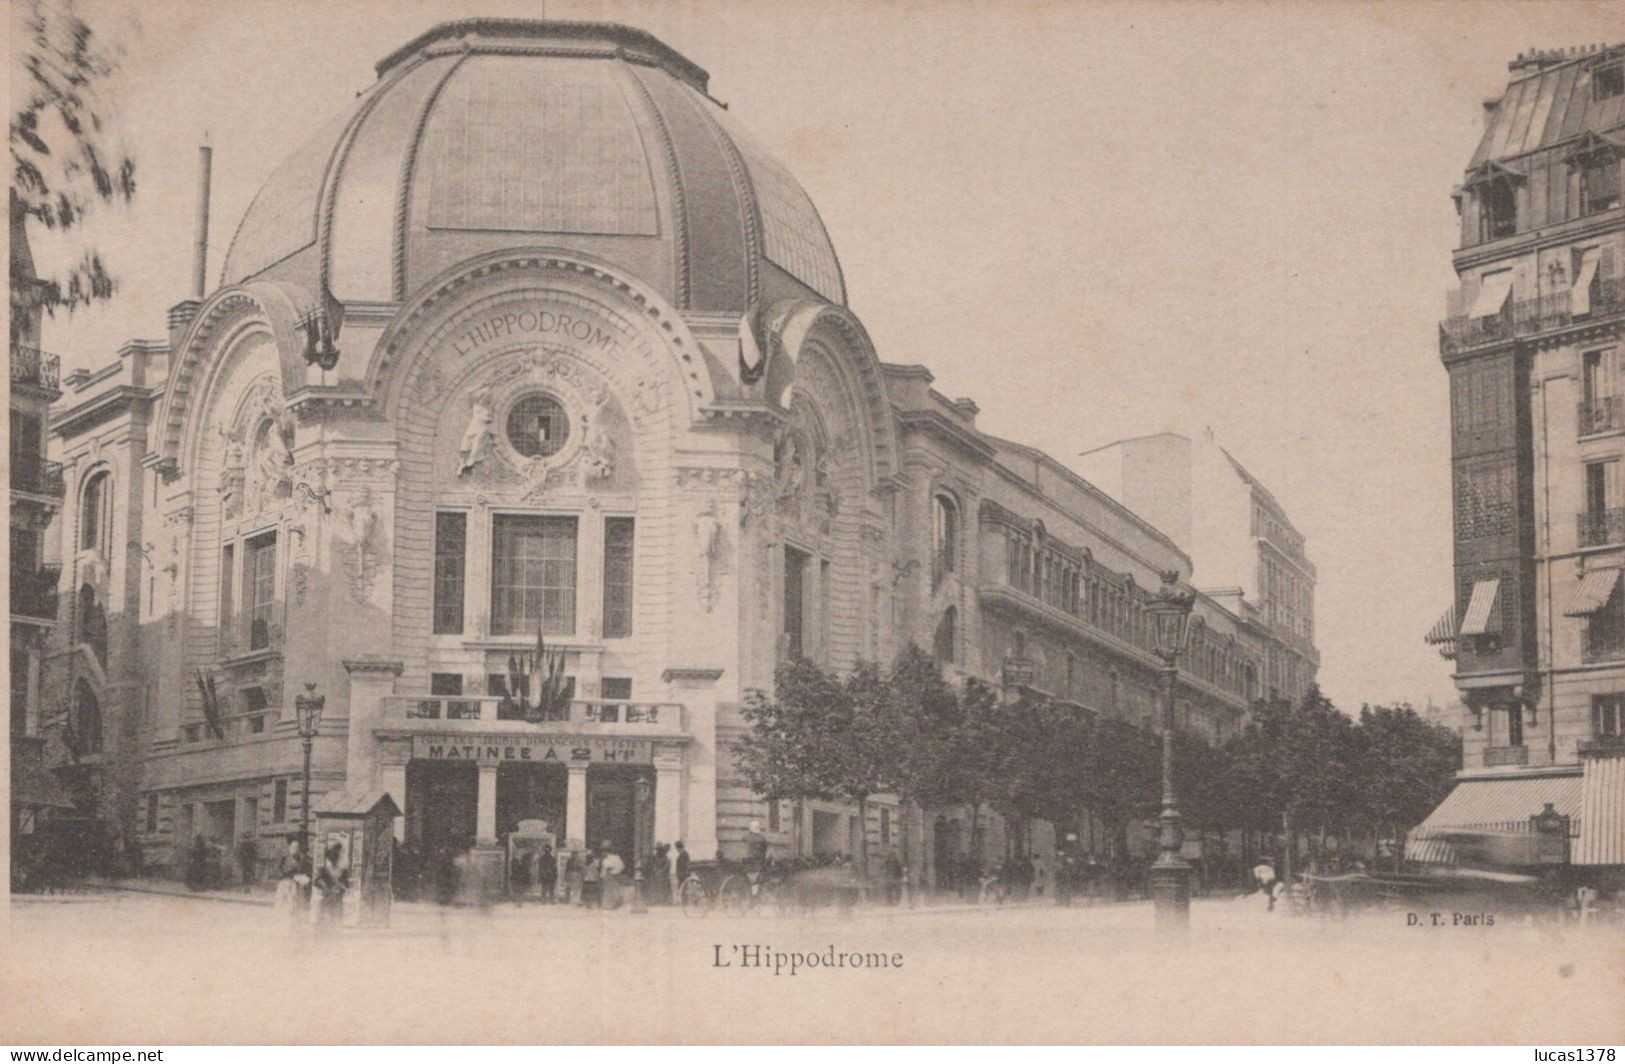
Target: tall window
(259,589)
(228,578)
(279,801)
(450,553)
(87,719)
(617,577)
(1514,725)
(1607,715)
(944,538)
(795,575)
(533,578)
(1599,182)
(94,508)
(942,644)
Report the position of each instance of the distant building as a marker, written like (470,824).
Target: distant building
(1532,345)
(36,495)
(1248,555)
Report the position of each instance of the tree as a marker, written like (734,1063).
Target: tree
(62,164)
(1403,767)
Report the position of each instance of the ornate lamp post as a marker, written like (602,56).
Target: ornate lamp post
(1170,876)
(309,706)
(640,844)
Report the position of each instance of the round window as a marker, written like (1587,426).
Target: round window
(537,426)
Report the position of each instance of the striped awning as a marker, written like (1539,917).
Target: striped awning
(1444,631)
(1596,587)
(1492,294)
(1480,607)
(1602,812)
(1492,805)
(1580,294)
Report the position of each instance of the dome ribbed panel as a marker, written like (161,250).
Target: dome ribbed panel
(361,244)
(282,218)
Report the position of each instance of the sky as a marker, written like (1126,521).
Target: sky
(1098,220)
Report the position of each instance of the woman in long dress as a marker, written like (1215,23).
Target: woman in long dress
(333,881)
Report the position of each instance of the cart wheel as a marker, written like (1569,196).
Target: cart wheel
(693,896)
(734,894)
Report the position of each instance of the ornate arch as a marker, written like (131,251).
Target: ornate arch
(799,325)
(432,318)
(223,320)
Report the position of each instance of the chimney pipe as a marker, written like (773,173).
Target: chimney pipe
(200,253)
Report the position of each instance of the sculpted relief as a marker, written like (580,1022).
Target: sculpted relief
(256,470)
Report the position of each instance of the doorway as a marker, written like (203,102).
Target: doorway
(530,792)
(442,805)
(612,808)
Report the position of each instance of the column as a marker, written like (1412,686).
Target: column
(485,823)
(668,798)
(575,806)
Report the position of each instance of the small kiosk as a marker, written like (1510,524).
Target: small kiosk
(529,845)
(362,824)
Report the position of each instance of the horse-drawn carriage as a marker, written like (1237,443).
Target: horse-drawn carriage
(790,887)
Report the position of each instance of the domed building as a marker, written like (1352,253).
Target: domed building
(529,428)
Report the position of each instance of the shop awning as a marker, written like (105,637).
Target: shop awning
(1595,589)
(1493,805)
(1580,294)
(1444,630)
(1480,607)
(1493,292)
(1602,812)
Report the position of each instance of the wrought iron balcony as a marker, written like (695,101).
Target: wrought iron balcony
(30,365)
(1603,413)
(33,594)
(1597,528)
(39,477)
(1506,755)
(1526,317)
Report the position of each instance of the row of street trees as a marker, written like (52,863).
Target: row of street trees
(906,732)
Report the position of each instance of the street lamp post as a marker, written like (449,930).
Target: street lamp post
(1170,877)
(640,843)
(309,706)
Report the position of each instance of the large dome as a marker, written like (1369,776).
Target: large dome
(488,134)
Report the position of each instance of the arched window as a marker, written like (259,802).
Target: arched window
(944,538)
(942,645)
(95,512)
(87,719)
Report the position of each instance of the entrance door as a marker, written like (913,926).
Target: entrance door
(442,805)
(612,809)
(530,792)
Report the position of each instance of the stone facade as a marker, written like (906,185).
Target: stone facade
(1532,345)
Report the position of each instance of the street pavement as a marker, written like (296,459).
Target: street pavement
(133,968)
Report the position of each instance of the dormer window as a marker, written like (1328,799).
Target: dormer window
(1608,81)
(1497,209)
(1599,182)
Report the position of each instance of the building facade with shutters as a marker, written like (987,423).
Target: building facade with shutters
(535,338)
(1532,346)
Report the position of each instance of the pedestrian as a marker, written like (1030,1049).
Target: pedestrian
(592,884)
(657,880)
(894,878)
(519,877)
(611,875)
(681,865)
(574,870)
(547,873)
(333,880)
(248,860)
(293,883)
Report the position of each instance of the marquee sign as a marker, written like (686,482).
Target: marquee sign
(562,749)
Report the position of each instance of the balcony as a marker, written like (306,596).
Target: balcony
(1598,528)
(33,594)
(601,716)
(1527,317)
(39,477)
(1604,413)
(31,366)
(1497,756)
